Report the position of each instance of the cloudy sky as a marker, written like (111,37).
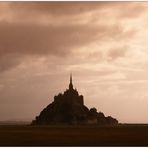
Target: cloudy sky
(104,44)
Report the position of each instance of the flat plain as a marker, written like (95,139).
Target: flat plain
(120,135)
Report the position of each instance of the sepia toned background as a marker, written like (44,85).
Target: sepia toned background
(104,45)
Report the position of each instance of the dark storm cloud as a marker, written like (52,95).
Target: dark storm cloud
(18,41)
(36,39)
(132,9)
(56,8)
(20,38)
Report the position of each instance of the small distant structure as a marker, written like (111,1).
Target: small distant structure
(69,108)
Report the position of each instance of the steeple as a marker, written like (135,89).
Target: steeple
(71,78)
(70,84)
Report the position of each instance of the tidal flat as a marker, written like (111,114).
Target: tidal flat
(65,135)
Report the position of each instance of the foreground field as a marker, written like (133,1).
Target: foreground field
(122,135)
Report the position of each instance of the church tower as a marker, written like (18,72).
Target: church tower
(70,84)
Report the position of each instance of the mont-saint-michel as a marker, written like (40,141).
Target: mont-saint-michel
(104,44)
(69,108)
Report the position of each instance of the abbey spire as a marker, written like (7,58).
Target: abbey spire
(70,84)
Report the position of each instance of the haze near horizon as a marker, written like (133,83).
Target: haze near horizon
(104,44)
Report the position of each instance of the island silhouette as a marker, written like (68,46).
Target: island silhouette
(69,108)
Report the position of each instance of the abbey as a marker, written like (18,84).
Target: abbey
(70,97)
(69,108)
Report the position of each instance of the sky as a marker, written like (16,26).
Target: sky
(103,44)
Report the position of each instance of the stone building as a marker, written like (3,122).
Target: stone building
(69,108)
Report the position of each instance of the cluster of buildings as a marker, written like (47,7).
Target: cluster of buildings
(69,108)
